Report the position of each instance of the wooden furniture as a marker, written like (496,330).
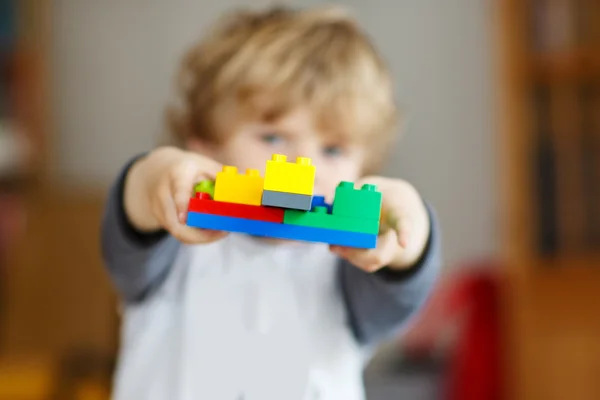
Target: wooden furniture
(76,378)
(60,296)
(58,299)
(26,379)
(549,86)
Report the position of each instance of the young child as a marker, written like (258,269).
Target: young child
(210,315)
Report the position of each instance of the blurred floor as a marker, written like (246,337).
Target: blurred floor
(391,377)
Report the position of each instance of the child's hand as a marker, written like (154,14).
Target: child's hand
(404,229)
(158,188)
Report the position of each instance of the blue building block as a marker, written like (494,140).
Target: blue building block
(281,231)
(319,201)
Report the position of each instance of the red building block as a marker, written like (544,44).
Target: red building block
(202,203)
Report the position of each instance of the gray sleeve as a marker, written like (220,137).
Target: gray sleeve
(138,263)
(380,304)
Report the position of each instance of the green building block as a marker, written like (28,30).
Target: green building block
(205,187)
(319,218)
(363,203)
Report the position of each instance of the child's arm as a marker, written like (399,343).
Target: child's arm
(136,261)
(380,300)
(143,222)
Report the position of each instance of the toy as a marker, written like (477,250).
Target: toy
(286,200)
(352,220)
(202,203)
(287,177)
(352,210)
(359,203)
(232,187)
(320,218)
(205,187)
(319,201)
(282,231)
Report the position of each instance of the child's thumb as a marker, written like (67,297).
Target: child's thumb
(182,189)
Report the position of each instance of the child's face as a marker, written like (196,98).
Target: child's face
(294,135)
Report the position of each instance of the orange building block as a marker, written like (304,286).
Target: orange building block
(231,187)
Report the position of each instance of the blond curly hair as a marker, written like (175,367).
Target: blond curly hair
(264,64)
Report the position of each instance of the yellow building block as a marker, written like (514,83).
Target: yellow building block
(287,177)
(231,187)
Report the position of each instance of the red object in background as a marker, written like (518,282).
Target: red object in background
(475,371)
(469,297)
(202,203)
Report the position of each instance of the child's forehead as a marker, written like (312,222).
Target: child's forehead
(329,121)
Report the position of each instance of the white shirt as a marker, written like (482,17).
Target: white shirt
(242,319)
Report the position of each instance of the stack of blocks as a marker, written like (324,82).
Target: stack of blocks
(283,206)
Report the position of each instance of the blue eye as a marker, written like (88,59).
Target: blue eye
(333,151)
(271,138)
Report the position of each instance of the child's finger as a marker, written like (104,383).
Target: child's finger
(371,260)
(210,168)
(182,190)
(189,235)
(401,223)
(403,229)
(179,229)
(182,186)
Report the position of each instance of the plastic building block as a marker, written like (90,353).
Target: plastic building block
(363,203)
(319,218)
(203,204)
(319,201)
(287,177)
(282,206)
(281,231)
(205,187)
(231,187)
(286,200)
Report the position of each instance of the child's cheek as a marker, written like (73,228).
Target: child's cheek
(246,152)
